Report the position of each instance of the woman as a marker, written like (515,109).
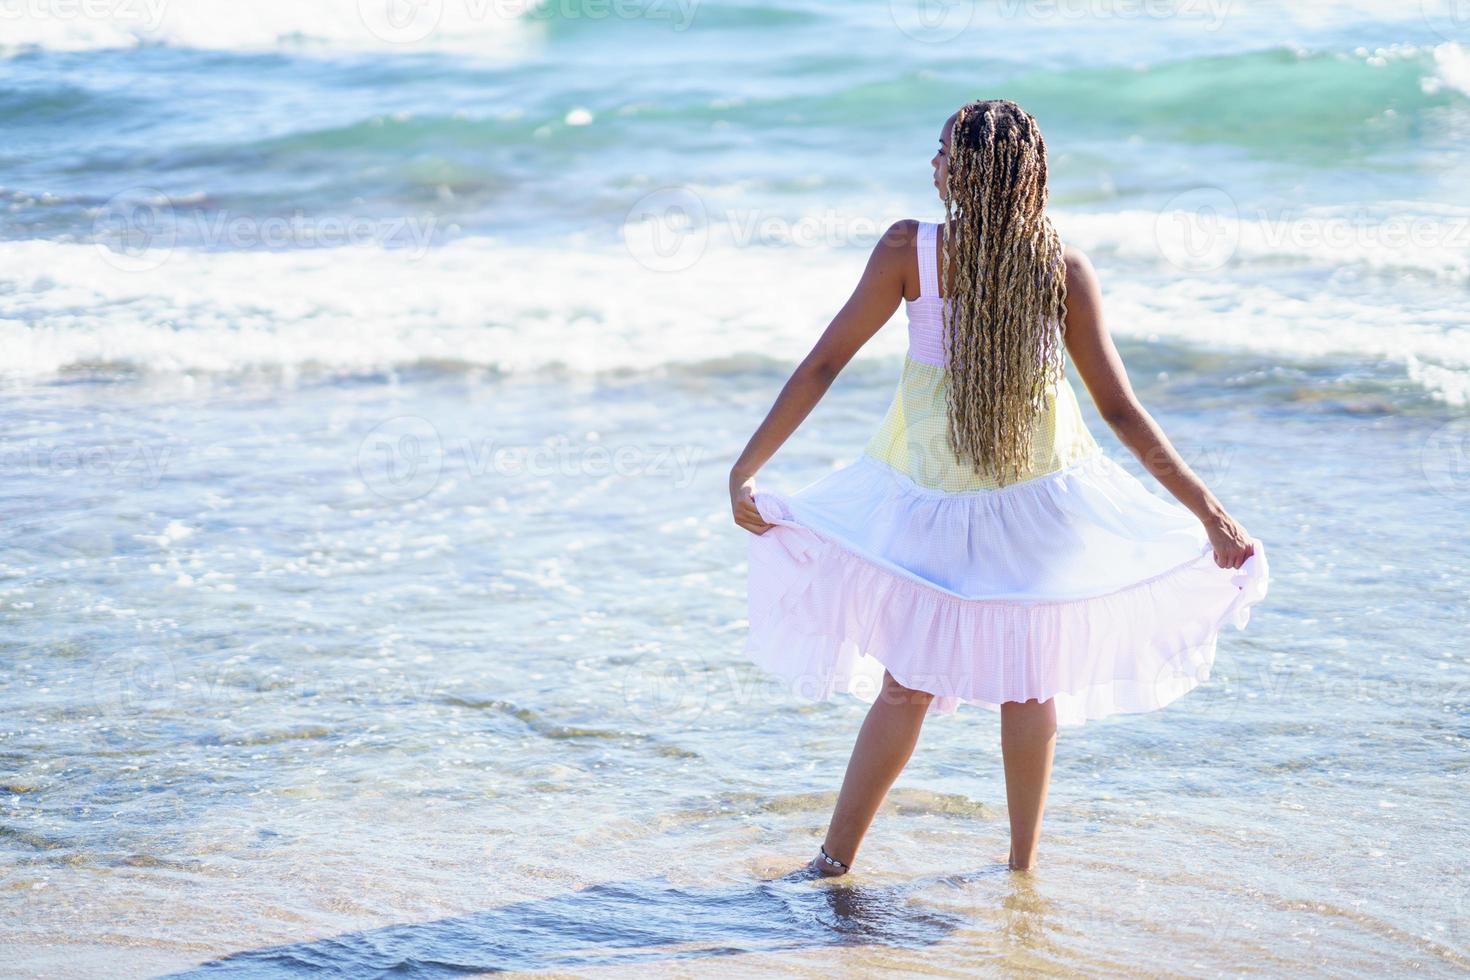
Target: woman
(982,549)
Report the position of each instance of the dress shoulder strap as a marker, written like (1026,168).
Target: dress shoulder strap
(928,271)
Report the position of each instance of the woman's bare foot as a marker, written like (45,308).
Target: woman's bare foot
(1011,862)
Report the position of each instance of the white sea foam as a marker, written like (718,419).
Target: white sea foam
(1432,345)
(513,307)
(1203,229)
(495,27)
(1452,69)
(486,27)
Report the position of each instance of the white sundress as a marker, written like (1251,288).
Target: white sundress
(1074,582)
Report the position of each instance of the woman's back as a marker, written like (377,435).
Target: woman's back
(913,437)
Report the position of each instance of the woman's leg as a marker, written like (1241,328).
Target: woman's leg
(1028,736)
(883,747)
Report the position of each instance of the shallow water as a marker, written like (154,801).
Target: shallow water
(488,709)
(375,606)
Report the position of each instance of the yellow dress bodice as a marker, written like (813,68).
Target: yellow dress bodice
(914,436)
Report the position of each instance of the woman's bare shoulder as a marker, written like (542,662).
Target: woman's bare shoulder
(901,234)
(1081,276)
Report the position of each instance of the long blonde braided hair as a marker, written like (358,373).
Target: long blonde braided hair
(1009,291)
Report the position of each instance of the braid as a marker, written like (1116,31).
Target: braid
(1003,326)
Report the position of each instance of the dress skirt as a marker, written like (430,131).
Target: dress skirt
(1079,586)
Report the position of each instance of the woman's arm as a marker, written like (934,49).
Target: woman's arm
(872,303)
(1101,369)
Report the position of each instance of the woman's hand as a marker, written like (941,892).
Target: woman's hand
(1232,543)
(742,505)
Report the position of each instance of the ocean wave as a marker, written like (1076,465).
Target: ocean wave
(1411,112)
(510,307)
(1322,103)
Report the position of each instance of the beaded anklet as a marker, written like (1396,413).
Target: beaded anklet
(830,860)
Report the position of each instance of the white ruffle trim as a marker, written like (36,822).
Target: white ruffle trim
(825,617)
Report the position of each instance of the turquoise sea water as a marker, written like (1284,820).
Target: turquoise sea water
(368,381)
